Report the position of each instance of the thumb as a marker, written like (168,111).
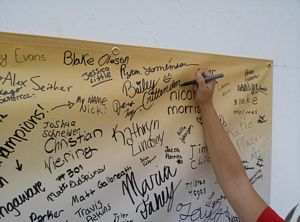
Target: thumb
(199,78)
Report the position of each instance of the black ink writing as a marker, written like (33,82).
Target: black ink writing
(10,79)
(250,75)
(147,160)
(3,60)
(92,105)
(199,155)
(121,217)
(173,153)
(130,134)
(257,175)
(110,179)
(53,86)
(80,198)
(97,76)
(149,206)
(249,100)
(73,183)
(3,181)
(141,86)
(132,189)
(127,74)
(183,132)
(216,213)
(108,59)
(252,88)
(262,119)
(93,212)
(196,188)
(2,117)
(182,95)
(52,163)
(53,145)
(21,133)
(119,106)
(49,215)
(16,202)
(70,58)
(166,67)
(70,172)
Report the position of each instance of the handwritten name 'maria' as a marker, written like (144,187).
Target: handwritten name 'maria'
(130,186)
(157,201)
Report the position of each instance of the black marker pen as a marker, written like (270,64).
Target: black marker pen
(206,78)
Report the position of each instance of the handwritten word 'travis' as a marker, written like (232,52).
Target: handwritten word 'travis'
(151,202)
(94,212)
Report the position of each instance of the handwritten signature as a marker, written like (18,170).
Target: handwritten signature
(216,213)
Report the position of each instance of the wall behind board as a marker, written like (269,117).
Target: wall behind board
(264,29)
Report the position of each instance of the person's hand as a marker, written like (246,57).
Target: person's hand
(203,91)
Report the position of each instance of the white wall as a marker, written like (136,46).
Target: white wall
(257,28)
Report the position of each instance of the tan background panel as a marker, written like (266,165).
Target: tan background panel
(97,136)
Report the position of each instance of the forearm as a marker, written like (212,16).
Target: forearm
(226,161)
(229,169)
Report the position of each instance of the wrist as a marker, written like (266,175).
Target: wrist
(207,108)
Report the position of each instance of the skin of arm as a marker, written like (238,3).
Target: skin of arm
(225,160)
